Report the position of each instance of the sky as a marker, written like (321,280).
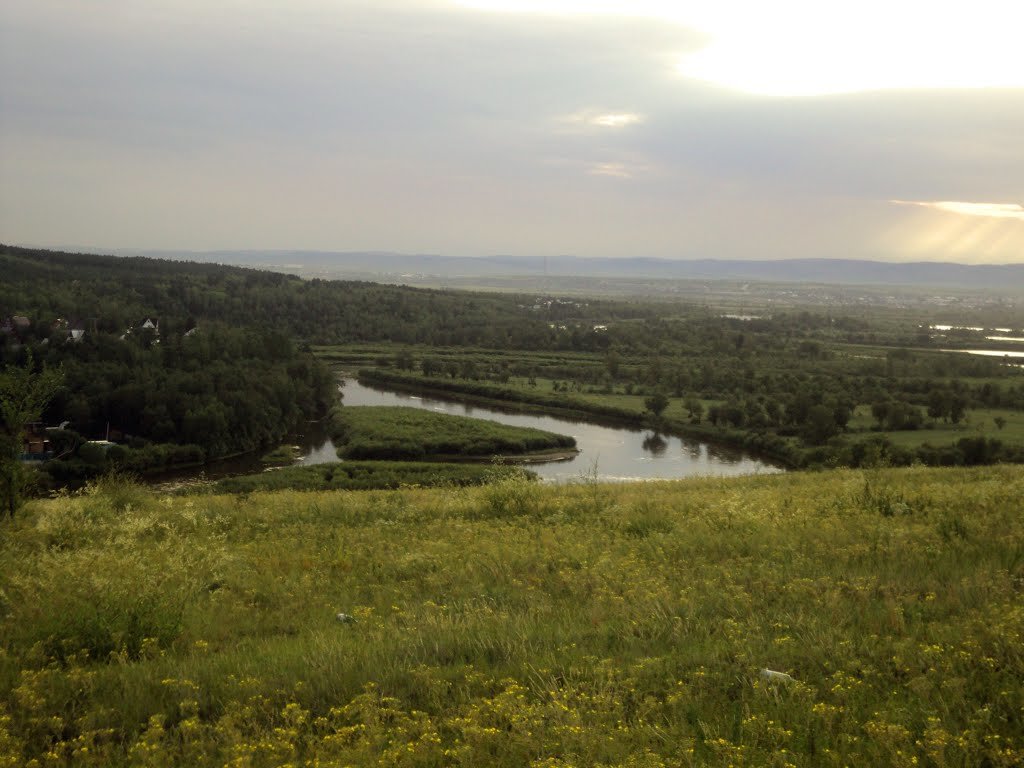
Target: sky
(729,129)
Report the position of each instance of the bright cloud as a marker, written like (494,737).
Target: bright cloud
(637,8)
(596,119)
(988,210)
(808,48)
(616,120)
(615,170)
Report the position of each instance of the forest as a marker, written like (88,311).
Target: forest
(234,358)
(113,293)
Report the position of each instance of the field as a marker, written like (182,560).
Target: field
(365,475)
(516,624)
(981,421)
(386,432)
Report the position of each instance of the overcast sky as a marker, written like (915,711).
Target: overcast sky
(717,129)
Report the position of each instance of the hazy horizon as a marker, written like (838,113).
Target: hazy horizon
(166,252)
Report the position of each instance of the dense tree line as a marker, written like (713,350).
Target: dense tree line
(112,293)
(791,377)
(214,392)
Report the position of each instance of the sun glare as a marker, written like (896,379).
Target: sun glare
(988,210)
(978,233)
(809,48)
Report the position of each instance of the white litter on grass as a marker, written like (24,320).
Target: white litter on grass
(771,675)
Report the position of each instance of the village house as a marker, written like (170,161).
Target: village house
(36,444)
(148,324)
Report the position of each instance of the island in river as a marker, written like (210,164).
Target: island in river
(411,434)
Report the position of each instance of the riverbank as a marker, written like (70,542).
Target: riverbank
(534,457)
(776,449)
(610,449)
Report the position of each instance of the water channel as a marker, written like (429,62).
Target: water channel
(607,453)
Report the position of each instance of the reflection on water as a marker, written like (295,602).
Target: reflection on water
(655,444)
(315,444)
(609,453)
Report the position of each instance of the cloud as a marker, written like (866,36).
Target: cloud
(806,48)
(419,125)
(987,210)
(615,170)
(597,119)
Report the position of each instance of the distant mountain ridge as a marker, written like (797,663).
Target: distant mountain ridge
(832,271)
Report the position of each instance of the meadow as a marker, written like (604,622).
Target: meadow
(387,432)
(362,476)
(516,624)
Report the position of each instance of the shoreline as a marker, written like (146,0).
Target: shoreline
(522,403)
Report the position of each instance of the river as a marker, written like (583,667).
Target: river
(606,453)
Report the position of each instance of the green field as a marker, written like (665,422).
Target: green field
(365,475)
(388,432)
(521,625)
(981,421)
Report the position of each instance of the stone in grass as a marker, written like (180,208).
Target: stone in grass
(345,618)
(771,676)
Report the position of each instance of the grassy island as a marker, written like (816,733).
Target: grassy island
(518,624)
(283,455)
(386,432)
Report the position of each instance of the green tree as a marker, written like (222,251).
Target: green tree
(404,360)
(820,425)
(695,409)
(431,366)
(880,410)
(957,408)
(940,402)
(24,394)
(656,404)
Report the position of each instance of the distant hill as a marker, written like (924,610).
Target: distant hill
(119,291)
(831,271)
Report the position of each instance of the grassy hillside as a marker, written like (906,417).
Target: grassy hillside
(389,432)
(518,624)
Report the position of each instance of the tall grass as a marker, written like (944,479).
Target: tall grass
(362,476)
(517,624)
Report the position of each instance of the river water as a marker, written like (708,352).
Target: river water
(606,453)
